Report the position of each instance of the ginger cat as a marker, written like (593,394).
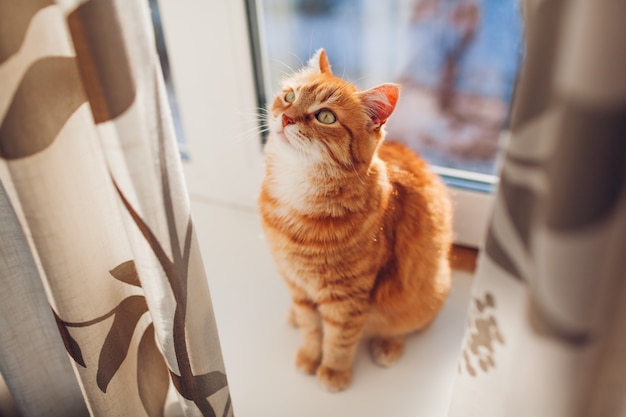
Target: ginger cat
(359,229)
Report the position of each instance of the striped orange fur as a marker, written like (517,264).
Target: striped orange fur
(359,229)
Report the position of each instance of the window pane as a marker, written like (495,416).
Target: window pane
(455,59)
(167,76)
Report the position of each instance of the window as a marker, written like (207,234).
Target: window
(456,60)
(169,84)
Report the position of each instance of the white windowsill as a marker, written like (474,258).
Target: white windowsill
(251,302)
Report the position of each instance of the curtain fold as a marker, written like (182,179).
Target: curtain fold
(31,350)
(547,325)
(90,154)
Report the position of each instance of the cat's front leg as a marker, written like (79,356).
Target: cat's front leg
(342,324)
(309,355)
(304,314)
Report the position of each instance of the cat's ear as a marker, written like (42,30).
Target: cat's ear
(380,102)
(319,62)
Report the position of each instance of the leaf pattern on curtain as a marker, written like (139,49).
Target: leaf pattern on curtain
(117,342)
(152,375)
(19,19)
(102,60)
(106,73)
(85,133)
(126,272)
(151,369)
(36,115)
(196,388)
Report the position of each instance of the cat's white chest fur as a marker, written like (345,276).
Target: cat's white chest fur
(293,173)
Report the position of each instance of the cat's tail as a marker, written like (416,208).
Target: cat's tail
(463,258)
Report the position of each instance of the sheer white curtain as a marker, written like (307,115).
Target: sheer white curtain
(95,229)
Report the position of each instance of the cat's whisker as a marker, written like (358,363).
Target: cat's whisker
(255,123)
(291,70)
(257,111)
(248,133)
(254,112)
(285,75)
(297,57)
(251,134)
(252,120)
(263,109)
(310,46)
(256,129)
(358,80)
(249,126)
(343,73)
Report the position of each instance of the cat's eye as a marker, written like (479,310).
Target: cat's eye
(326,116)
(290,97)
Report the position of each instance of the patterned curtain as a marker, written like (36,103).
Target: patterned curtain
(546,334)
(104,303)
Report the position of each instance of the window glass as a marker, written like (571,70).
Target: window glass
(169,84)
(456,61)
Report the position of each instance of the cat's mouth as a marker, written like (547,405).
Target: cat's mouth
(282,135)
(287,134)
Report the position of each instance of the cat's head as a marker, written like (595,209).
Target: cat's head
(321,118)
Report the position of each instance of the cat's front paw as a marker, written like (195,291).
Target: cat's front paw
(386,352)
(307,360)
(333,379)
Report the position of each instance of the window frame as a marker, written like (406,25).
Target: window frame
(213,46)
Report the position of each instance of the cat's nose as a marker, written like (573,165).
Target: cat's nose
(287,120)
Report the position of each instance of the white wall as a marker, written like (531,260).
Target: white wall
(207,42)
